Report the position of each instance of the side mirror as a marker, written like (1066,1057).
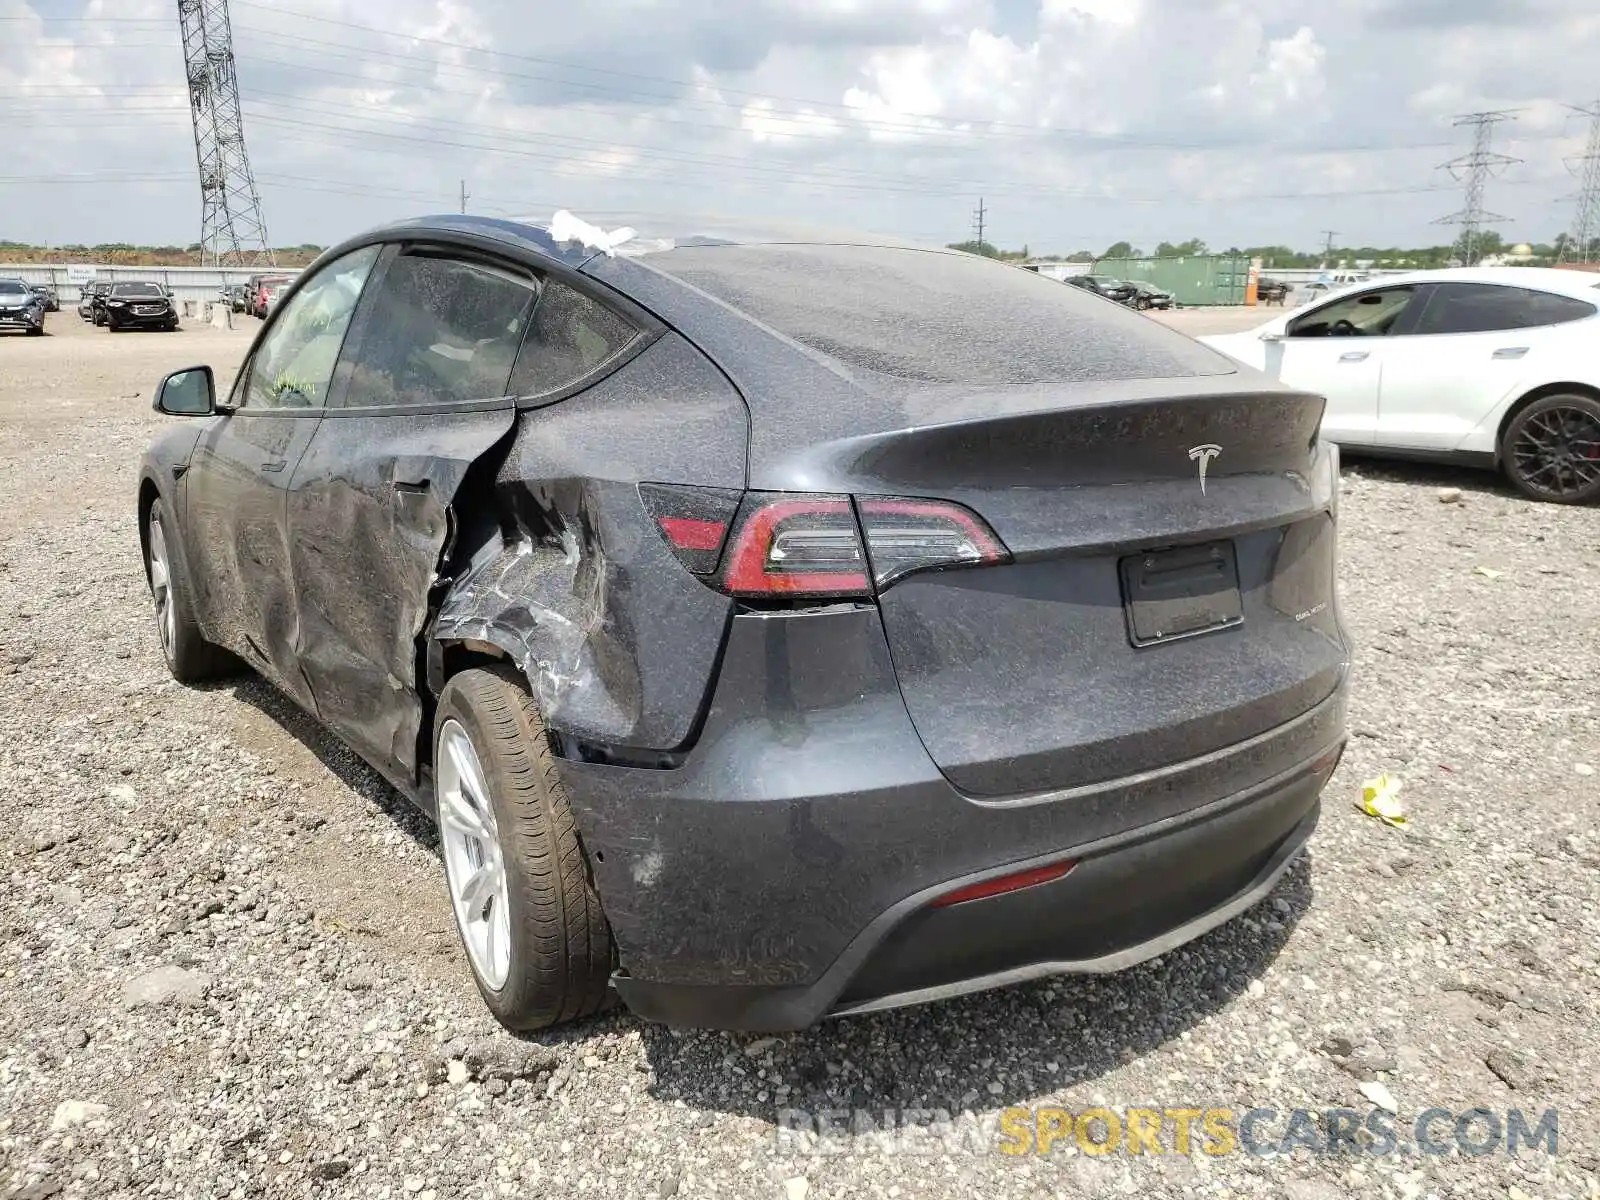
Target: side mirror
(187,393)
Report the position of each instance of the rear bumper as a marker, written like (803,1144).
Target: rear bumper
(785,872)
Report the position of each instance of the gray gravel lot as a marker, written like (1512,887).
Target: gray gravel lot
(228,965)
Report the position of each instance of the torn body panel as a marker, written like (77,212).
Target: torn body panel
(561,590)
(371,520)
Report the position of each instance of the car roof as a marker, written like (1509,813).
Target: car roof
(653,234)
(1545,279)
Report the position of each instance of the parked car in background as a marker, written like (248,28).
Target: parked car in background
(132,304)
(1145,295)
(1491,367)
(237,297)
(1272,291)
(274,293)
(45,292)
(259,286)
(1103,285)
(897,648)
(21,308)
(89,303)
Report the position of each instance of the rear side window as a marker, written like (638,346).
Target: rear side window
(938,317)
(569,338)
(440,330)
(1485,307)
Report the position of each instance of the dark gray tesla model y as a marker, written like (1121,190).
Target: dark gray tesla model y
(776,627)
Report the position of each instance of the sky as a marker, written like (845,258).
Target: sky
(1076,123)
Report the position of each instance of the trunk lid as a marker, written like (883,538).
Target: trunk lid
(1142,620)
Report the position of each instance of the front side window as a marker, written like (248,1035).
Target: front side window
(1486,307)
(295,361)
(570,337)
(439,331)
(1366,314)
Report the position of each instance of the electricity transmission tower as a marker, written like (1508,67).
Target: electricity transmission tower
(1475,169)
(1585,232)
(978,216)
(232,229)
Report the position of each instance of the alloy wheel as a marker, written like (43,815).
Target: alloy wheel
(474,865)
(161,587)
(1557,452)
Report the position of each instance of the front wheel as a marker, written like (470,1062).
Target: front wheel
(1551,449)
(525,905)
(190,658)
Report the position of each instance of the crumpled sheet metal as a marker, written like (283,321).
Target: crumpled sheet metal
(543,603)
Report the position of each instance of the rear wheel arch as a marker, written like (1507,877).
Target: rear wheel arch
(1522,402)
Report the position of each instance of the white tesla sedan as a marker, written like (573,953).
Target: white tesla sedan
(1493,367)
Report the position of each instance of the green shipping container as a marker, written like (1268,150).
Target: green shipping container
(1196,280)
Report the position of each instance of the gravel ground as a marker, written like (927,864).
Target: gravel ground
(228,967)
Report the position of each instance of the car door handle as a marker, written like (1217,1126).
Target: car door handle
(1354,356)
(272,468)
(1510,352)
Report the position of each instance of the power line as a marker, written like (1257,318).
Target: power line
(1580,243)
(233,230)
(1474,169)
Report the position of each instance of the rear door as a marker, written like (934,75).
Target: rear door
(421,395)
(1473,346)
(1338,350)
(243,463)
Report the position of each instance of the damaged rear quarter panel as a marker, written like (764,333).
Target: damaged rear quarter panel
(617,639)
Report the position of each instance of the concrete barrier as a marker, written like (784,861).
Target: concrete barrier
(220,316)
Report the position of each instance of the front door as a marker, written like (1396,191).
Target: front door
(420,397)
(1337,349)
(1346,374)
(242,466)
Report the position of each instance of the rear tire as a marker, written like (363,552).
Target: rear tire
(545,954)
(190,658)
(1551,449)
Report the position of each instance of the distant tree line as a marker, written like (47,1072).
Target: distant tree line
(1489,244)
(130,255)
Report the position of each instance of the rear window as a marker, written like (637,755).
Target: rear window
(939,318)
(136,290)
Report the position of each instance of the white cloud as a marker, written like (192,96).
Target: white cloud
(1089,121)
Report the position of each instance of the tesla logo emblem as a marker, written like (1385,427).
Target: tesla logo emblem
(1203,456)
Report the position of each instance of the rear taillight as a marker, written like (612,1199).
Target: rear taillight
(914,535)
(693,520)
(789,545)
(811,546)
